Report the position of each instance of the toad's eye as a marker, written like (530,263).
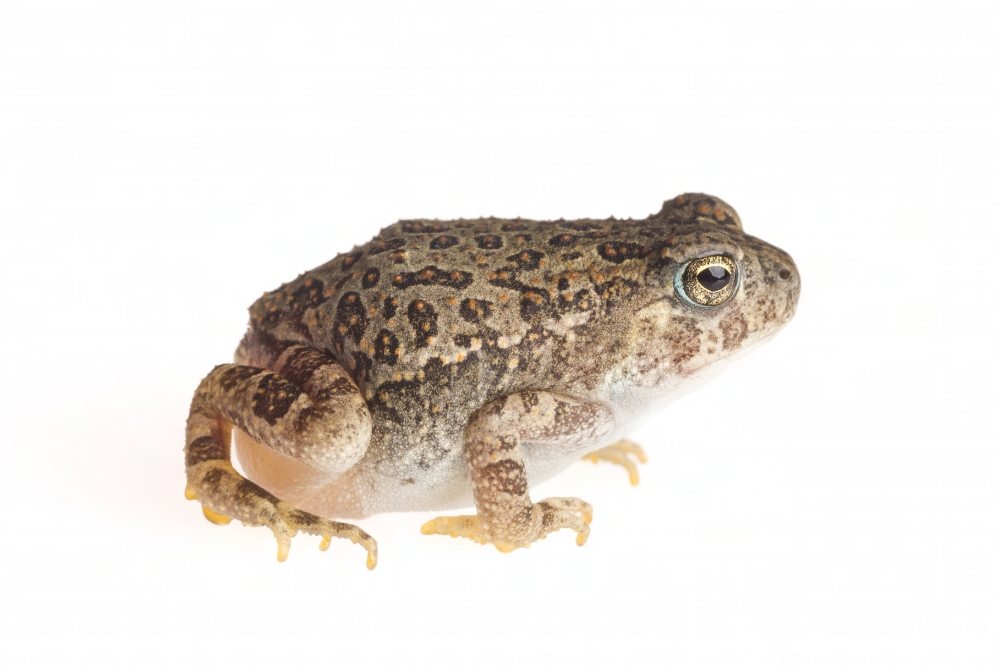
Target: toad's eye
(709,281)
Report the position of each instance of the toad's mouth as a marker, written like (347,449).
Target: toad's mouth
(726,360)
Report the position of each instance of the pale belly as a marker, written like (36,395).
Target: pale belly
(363,491)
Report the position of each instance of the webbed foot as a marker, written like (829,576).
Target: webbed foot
(618,453)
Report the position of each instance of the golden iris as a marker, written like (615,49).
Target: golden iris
(710,281)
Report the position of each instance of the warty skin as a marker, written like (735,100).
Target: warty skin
(446,364)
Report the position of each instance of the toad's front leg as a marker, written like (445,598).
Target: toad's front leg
(506,516)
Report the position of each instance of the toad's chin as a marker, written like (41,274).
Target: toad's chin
(635,404)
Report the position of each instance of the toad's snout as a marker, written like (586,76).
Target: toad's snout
(782,277)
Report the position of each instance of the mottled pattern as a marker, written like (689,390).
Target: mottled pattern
(416,335)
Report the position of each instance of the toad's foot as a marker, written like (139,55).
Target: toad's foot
(618,453)
(226,495)
(547,516)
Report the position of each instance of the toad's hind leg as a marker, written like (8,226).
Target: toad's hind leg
(506,516)
(307,409)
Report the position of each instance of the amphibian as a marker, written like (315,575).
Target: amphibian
(446,364)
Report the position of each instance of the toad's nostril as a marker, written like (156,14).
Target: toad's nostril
(784,274)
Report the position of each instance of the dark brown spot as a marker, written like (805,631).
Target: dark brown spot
(432,275)
(351,317)
(389,306)
(386,347)
(489,242)
(474,310)
(205,448)
(387,245)
(444,242)
(273,398)
(236,376)
(308,295)
(350,260)
(527,259)
(302,362)
(371,278)
(504,477)
(562,240)
(533,304)
(423,319)
(619,251)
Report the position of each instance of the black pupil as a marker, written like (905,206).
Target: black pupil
(714,278)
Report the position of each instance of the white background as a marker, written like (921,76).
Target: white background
(163,164)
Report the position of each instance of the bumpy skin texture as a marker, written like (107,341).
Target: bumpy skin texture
(449,363)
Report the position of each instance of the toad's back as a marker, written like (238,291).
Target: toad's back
(433,319)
